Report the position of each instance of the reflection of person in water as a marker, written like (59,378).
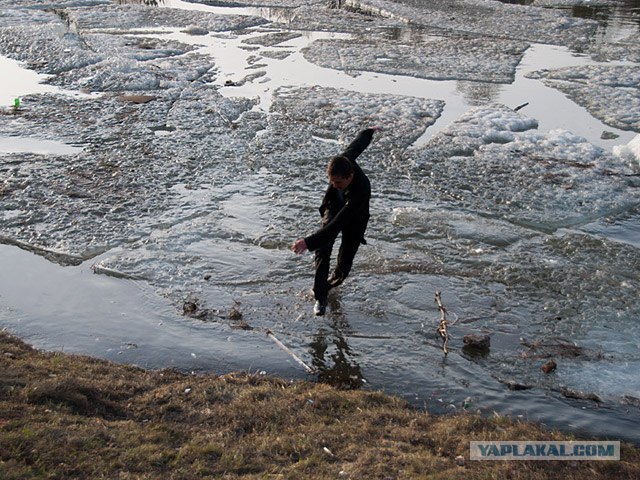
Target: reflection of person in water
(339,369)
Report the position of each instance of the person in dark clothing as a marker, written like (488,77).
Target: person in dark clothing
(344,209)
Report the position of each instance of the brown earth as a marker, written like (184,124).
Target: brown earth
(72,417)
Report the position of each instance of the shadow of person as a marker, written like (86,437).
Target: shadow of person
(331,355)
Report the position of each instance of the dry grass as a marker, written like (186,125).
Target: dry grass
(66,417)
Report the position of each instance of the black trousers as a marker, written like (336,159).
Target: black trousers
(352,236)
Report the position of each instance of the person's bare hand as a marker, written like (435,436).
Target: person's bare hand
(299,246)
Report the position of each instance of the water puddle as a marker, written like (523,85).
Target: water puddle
(552,108)
(36,145)
(18,81)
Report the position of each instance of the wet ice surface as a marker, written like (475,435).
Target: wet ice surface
(491,162)
(478,17)
(200,155)
(487,60)
(611,93)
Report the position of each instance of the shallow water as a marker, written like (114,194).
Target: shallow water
(616,21)
(218,234)
(36,145)
(18,81)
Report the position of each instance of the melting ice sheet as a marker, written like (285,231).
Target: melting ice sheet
(204,159)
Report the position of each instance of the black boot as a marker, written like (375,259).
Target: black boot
(320,308)
(335,280)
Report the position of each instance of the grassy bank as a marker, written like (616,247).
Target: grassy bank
(64,416)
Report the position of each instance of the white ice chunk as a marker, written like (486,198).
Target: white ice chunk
(630,151)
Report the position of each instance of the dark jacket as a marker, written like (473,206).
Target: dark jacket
(349,211)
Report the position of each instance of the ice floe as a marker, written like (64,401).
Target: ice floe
(140,17)
(494,19)
(271,39)
(49,48)
(544,181)
(610,92)
(626,49)
(486,60)
(338,114)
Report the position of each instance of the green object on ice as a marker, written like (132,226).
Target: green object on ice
(16,103)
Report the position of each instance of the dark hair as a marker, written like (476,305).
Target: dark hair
(340,166)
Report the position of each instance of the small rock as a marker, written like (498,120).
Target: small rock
(575,394)
(476,345)
(195,30)
(460,461)
(242,325)
(517,386)
(481,342)
(631,400)
(138,98)
(608,135)
(550,366)
(327,451)
(189,307)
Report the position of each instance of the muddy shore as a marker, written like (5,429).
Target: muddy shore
(66,416)
(189,152)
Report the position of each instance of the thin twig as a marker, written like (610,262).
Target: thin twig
(442,328)
(285,349)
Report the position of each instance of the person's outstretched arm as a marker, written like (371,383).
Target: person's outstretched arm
(355,148)
(361,142)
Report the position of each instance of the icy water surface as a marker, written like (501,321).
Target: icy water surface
(161,202)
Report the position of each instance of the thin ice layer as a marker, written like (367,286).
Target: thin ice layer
(462,58)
